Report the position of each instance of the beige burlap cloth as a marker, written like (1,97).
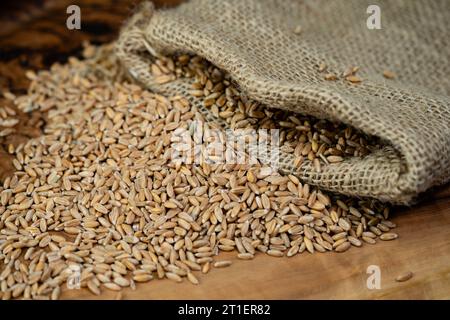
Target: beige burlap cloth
(254,41)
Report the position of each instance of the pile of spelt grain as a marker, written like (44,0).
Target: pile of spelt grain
(308,138)
(99,191)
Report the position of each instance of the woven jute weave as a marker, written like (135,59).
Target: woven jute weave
(253,40)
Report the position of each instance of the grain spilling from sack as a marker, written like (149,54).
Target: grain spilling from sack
(330,70)
(97,202)
(308,139)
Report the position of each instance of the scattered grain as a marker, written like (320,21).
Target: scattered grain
(404,276)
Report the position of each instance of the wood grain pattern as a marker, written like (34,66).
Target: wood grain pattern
(33,38)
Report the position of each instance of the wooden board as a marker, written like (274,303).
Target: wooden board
(423,246)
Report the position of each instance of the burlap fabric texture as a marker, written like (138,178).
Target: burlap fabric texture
(254,41)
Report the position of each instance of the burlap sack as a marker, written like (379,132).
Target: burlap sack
(254,41)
